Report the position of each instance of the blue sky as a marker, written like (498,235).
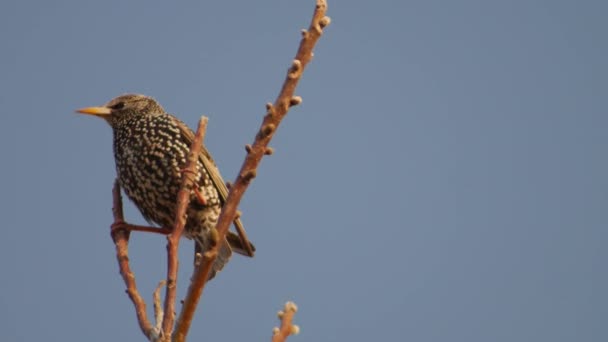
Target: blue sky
(443,180)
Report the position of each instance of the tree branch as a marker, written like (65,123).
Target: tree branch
(183,200)
(121,241)
(158,308)
(274,115)
(287,327)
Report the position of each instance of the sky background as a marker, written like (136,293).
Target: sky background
(443,180)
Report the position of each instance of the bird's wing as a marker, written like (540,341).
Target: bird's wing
(219,183)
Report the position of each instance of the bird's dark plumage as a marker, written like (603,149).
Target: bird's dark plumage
(150,149)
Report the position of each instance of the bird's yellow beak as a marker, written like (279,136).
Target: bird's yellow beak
(102,112)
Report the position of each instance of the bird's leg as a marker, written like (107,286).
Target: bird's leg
(136,228)
(199,196)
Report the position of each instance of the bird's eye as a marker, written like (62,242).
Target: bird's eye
(119,105)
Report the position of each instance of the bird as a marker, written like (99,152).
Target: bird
(150,151)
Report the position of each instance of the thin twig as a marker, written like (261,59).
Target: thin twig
(121,241)
(144,229)
(158,308)
(275,113)
(287,327)
(183,200)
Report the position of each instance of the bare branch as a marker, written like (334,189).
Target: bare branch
(287,327)
(183,200)
(275,114)
(121,241)
(158,308)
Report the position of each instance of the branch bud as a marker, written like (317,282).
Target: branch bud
(295,329)
(249,175)
(296,69)
(291,306)
(267,129)
(295,100)
(324,21)
(269,107)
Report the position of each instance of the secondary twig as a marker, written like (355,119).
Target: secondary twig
(158,308)
(121,241)
(275,113)
(183,200)
(287,327)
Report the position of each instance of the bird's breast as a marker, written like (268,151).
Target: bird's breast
(149,158)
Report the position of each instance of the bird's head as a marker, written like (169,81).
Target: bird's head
(125,107)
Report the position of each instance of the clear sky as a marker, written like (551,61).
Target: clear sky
(443,180)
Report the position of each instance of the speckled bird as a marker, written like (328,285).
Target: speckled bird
(150,150)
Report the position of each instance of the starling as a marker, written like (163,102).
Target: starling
(150,150)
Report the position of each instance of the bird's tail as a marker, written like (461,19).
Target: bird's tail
(224,254)
(237,245)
